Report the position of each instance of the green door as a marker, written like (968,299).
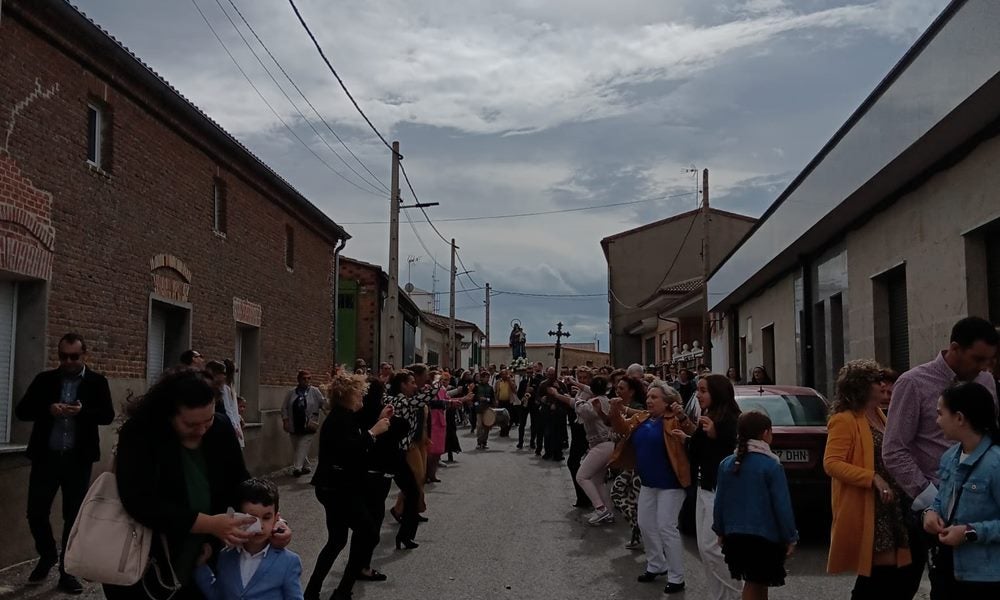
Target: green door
(347,323)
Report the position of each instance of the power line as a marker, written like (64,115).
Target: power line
(269,106)
(533,214)
(304,97)
(334,71)
(680,249)
(534,295)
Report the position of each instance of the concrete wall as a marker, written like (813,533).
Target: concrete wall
(775,304)
(925,230)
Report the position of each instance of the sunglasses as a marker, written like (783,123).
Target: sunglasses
(69,356)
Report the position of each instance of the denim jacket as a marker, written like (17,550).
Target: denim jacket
(979,507)
(754,501)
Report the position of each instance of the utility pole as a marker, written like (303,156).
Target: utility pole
(706,265)
(452,362)
(559,334)
(487,361)
(393,351)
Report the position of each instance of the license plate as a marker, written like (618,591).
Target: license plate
(792,456)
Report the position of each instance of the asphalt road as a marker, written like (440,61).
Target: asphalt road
(501,527)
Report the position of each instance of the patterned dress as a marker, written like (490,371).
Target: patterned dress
(890,527)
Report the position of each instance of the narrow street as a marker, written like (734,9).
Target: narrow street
(501,527)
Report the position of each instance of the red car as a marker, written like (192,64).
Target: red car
(799,416)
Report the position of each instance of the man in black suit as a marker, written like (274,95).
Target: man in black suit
(66,405)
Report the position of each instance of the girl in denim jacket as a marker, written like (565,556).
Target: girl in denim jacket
(965,516)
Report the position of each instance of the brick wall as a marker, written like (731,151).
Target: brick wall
(153,196)
(368,303)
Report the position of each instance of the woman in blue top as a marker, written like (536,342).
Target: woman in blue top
(753,510)
(662,465)
(965,516)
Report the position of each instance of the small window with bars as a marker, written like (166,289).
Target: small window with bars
(289,247)
(220,206)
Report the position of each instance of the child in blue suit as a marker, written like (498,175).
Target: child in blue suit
(256,571)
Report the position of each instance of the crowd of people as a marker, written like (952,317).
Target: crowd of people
(915,486)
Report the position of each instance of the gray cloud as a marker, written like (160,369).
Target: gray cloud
(529,106)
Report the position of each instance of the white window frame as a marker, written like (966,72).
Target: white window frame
(98,131)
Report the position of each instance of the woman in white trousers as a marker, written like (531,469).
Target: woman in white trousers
(661,461)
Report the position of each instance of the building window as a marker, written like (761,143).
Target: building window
(892,333)
(8,319)
(767,351)
(246,383)
(95,133)
(993,277)
(219,206)
(169,334)
(289,247)
(649,356)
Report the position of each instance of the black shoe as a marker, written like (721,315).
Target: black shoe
(648,577)
(41,571)
(306,470)
(422,519)
(296,472)
(70,584)
(674,588)
(559,457)
(408,544)
(373,576)
(546,456)
(396,515)
(519,446)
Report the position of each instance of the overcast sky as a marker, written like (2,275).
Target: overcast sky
(530,105)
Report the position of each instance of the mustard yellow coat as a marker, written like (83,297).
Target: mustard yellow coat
(850,462)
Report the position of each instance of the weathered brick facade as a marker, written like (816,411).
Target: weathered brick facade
(151,198)
(93,249)
(371,285)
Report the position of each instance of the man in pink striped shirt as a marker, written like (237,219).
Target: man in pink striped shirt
(913,442)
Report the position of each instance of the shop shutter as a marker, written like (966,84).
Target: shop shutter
(899,323)
(993,276)
(155,344)
(8,308)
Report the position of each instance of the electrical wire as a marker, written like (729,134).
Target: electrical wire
(271,107)
(343,86)
(304,97)
(680,249)
(533,214)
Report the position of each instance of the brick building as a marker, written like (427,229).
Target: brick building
(128,215)
(364,288)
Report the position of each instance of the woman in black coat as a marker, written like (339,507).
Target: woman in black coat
(340,480)
(178,469)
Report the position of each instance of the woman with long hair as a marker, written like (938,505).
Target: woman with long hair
(753,510)
(594,414)
(626,485)
(344,448)
(712,441)
(965,516)
(760,376)
(662,464)
(408,406)
(869,534)
(178,470)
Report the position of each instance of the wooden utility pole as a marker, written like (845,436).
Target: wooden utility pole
(487,352)
(706,266)
(559,335)
(393,350)
(452,361)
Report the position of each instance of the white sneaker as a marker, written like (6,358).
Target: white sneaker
(602,516)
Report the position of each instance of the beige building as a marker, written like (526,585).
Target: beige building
(655,284)
(891,234)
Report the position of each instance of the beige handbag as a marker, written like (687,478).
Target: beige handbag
(107,545)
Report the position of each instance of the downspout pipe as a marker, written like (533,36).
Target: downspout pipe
(336,297)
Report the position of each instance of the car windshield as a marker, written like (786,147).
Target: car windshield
(787,410)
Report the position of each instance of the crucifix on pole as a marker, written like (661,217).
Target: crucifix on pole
(559,334)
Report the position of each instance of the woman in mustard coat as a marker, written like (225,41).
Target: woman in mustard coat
(868,536)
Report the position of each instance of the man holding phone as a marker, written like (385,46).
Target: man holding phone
(67,405)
